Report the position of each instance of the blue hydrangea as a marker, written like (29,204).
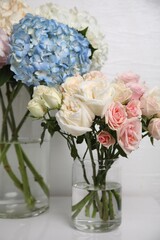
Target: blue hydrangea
(48,51)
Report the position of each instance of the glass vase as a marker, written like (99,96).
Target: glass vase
(96,195)
(24,161)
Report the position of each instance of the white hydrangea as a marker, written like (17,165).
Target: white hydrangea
(80,21)
(50,10)
(11,11)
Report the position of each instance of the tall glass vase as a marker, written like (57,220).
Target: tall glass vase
(96,195)
(24,163)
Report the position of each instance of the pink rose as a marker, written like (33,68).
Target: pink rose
(133,109)
(137,89)
(115,115)
(154,128)
(130,135)
(4,48)
(129,77)
(106,139)
(132,82)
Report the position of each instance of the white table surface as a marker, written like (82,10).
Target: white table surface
(141,221)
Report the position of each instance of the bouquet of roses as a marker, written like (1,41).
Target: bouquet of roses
(34,50)
(111,118)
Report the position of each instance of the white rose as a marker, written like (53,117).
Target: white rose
(37,108)
(150,102)
(154,128)
(52,98)
(121,93)
(75,117)
(95,92)
(40,90)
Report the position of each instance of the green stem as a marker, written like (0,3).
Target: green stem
(37,176)
(17,129)
(99,204)
(12,120)
(79,206)
(84,171)
(8,169)
(110,206)
(87,136)
(85,153)
(27,193)
(95,209)
(5,116)
(4,133)
(118,198)
(87,208)
(104,206)
(4,151)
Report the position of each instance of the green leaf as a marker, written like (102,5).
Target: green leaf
(84,31)
(152,140)
(43,132)
(80,139)
(74,153)
(5,74)
(52,125)
(92,50)
(121,152)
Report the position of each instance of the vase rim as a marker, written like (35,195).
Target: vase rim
(96,159)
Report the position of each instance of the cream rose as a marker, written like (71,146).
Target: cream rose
(4,48)
(74,117)
(130,135)
(94,75)
(37,108)
(72,84)
(11,11)
(150,102)
(95,92)
(154,128)
(121,93)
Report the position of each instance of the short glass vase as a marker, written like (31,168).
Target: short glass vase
(24,161)
(96,195)
(24,183)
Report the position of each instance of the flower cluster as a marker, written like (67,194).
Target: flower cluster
(91,104)
(80,20)
(45,50)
